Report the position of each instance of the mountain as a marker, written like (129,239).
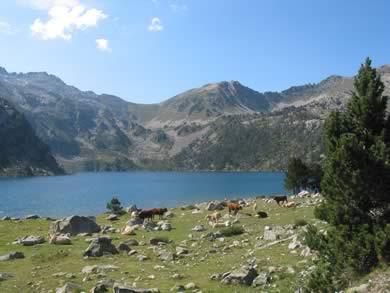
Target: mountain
(223,125)
(22,153)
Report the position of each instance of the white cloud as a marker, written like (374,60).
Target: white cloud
(155,25)
(65,17)
(6,28)
(178,8)
(102,44)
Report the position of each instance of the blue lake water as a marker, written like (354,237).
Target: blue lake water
(88,193)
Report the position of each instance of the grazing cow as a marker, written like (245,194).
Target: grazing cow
(280,199)
(290,204)
(59,239)
(234,207)
(213,217)
(262,214)
(146,214)
(159,211)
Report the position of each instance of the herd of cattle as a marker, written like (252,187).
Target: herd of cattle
(233,207)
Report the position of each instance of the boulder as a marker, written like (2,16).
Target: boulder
(99,269)
(128,231)
(167,255)
(4,276)
(149,226)
(157,240)
(134,221)
(166,227)
(130,242)
(262,279)
(60,240)
(32,217)
(190,286)
(99,247)
(198,228)
(12,256)
(119,288)
(30,240)
(214,206)
(169,214)
(112,217)
(123,247)
(69,288)
(181,250)
(75,225)
(242,276)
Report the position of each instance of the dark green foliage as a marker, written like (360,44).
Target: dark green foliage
(114,205)
(301,176)
(300,222)
(356,186)
(314,239)
(296,176)
(21,151)
(232,231)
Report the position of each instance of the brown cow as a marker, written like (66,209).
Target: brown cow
(159,211)
(234,207)
(146,214)
(280,199)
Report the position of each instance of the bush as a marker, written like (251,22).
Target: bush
(232,231)
(314,239)
(114,205)
(321,212)
(300,222)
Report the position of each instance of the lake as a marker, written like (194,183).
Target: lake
(88,193)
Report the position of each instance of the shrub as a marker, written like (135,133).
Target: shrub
(300,222)
(314,239)
(232,231)
(114,205)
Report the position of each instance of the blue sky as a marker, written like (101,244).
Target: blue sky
(146,51)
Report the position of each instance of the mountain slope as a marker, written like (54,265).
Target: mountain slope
(22,153)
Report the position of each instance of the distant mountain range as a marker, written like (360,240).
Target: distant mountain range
(219,126)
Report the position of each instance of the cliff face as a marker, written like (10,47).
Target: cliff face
(22,153)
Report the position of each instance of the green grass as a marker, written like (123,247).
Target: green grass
(44,260)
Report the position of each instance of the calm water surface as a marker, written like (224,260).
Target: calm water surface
(88,193)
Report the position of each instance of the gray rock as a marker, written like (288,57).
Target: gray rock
(214,206)
(123,247)
(181,250)
(69,288)
(199,228)
(132,252)
(166,227)
(99,247)
(100,288)
(157,240)
(32,217)
(216,277)
(119,288)
(30,240)
(4,276)
(130,242)
(190,286)
(112,217)
(149,226)
(134,221)
(99,269)
(142,258)
(262,279)
(177,288)
(75,225)
(167,255)
(242,276)
(12,256)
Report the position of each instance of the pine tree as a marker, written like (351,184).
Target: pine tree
(296,175)
(356,182)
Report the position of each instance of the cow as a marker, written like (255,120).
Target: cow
(213,217)
(280,199)
(59,239)
(234,207)
(159,211)
(290,204)
(261,214)
(146,214)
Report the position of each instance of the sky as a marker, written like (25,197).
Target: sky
(146,51)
